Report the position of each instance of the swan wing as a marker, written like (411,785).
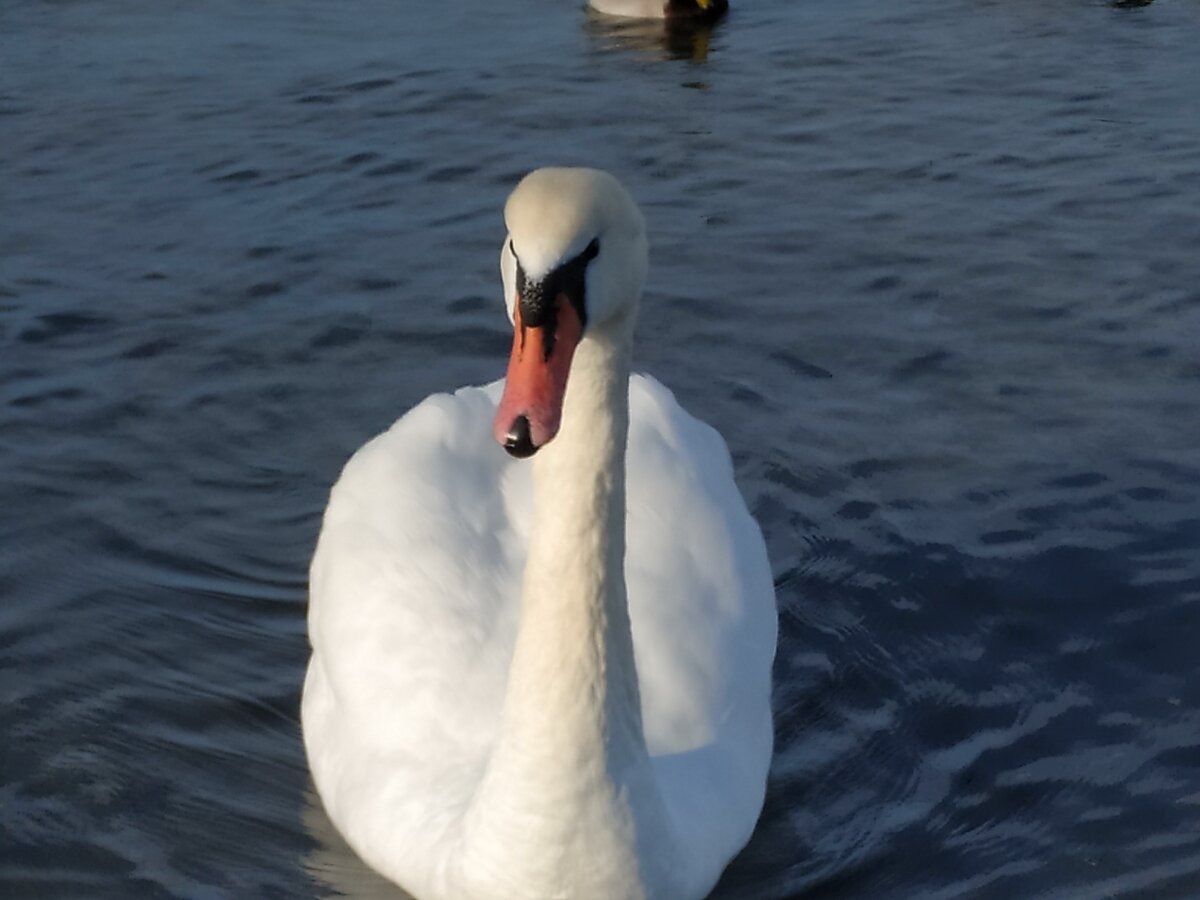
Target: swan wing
(415,589)
(702,607)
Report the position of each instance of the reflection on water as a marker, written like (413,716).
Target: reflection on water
(671,39)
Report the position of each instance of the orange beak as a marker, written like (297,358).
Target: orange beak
(530,411)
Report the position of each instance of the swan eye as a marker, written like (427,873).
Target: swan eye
(592,250)
(512,249)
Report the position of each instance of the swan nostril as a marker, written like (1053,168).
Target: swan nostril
(518,442)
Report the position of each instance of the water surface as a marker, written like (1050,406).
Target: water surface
(930,267)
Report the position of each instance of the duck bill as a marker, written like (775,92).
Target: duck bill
(531,409)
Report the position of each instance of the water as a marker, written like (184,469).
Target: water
(931,267)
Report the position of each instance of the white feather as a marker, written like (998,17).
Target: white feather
(460,774)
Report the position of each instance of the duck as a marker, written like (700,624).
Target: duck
(674,10)
(541,614)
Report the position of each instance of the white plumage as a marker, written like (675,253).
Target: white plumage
(476,724)
(660,9)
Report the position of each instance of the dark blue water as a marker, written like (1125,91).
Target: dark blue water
(931,267)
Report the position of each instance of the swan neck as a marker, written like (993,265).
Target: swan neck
(574,604)
(570,763)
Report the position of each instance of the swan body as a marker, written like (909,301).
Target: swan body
(661,9)
(545,678)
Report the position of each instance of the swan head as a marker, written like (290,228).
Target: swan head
(573,265)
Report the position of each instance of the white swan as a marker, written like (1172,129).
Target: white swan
(545,679)
(662,9)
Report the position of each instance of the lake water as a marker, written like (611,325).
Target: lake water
(932,267)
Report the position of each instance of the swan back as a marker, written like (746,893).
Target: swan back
(420,578)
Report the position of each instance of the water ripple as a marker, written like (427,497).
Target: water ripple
(930,267)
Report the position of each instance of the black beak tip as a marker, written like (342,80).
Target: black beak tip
(518,442)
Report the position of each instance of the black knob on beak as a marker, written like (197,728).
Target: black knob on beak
(518,441)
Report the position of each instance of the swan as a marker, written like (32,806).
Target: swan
(703,10)
(546,678)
